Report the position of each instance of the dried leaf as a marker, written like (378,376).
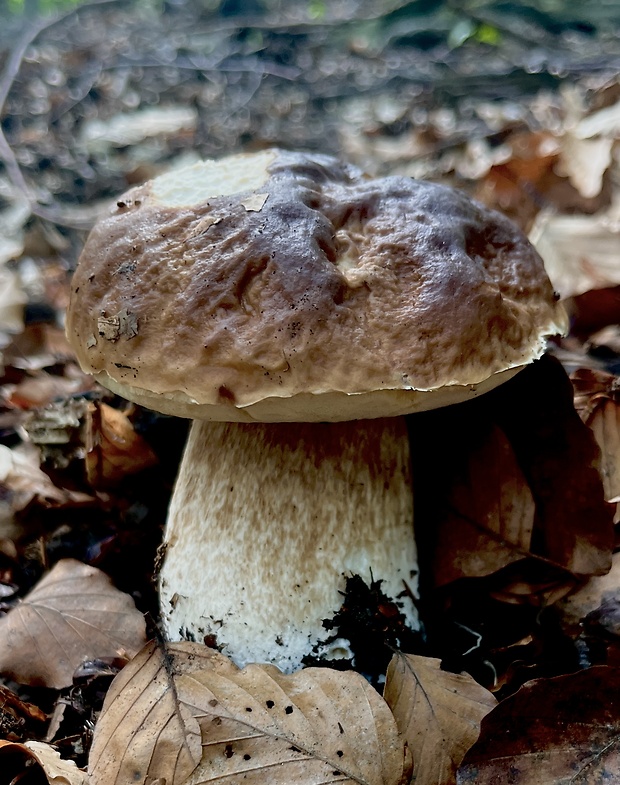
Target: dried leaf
(134,127)
(597,399)
(21,473)
(41,389)
(560,730)
(12,301)
(114,449)
(19,762)
(17,716)
(439,714)
(589,386)
(124,324)
(492,513)
(255,724)
(472,526)
(255,203)
(74,613)
(585,162)
(580,252)
(604,122)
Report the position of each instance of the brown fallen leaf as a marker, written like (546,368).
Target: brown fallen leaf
(560,730)
(34,763)
(492,513)
(114,449)
(515,183)
(597,399)
(74,613)
(187,714)
(22,475)
(593,311)
(524,433)
(439,714)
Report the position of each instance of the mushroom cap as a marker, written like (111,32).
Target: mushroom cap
(283,286)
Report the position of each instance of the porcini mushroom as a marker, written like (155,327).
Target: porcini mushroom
(296,310)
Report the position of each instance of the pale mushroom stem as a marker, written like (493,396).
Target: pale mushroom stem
(268,520)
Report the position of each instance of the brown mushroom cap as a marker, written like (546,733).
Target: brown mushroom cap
(288,286)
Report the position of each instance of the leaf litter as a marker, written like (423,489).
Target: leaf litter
(185,713)
(516,521)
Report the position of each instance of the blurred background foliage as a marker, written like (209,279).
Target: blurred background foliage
(104,93)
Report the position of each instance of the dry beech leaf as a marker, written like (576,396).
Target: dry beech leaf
(552,731)
(439,714)
(34,762)
(114,449)
(74,613)
(597,399)
(544,445)
(187,714)
(492,517)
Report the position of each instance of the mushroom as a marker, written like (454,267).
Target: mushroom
(296,310)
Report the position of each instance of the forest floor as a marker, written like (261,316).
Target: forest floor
(518,104)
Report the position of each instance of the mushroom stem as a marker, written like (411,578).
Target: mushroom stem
(268,520)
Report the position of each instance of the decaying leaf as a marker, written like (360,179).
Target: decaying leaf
(479,496)
(560,730)
(35,762)
(439,714)
(492,517)
(74,613)
(187,714)
(114,449)
(124,324)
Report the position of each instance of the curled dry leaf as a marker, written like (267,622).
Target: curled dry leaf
(560,730)
(439,714)
(74,613)
(114,449)
(34,762)
(188,714)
